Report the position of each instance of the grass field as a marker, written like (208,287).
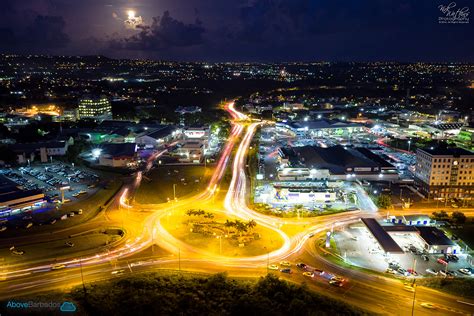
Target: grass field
(177,226)
(466,233)
(157,185)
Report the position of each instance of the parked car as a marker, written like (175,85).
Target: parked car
(431,271)
(286,270)
(285,264)
(308,274)
(69,243)
(465,271)
(441,261)
(273,267)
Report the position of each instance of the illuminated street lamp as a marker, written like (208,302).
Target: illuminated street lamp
(409,143)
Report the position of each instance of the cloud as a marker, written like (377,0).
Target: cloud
(47,32)
(164,32)
(44,34)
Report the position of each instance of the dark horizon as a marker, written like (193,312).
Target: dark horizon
(242,31)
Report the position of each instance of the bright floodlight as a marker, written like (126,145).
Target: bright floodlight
(131,14)
(96,152)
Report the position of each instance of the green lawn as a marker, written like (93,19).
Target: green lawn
(466,233)
(157,185)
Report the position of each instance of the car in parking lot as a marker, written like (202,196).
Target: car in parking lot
(308,274)
(286,270)
(402,271)
(273,267)
(466,271)
(18,252)
(390,271)
(442,261)
(431,271)
(285,264)
(69,243)
(412,272)
(443,273)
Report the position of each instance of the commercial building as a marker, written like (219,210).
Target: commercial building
(432,239)
(13,199)
(445,173)
(333,163)
(321,128)
(30,151)
(152,138)
(97,108)
(118,155)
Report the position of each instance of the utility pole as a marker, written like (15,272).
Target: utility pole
(179,259)
(82,278)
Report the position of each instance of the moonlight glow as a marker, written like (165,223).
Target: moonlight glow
(132,20)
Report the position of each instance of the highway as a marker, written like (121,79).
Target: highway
(374,293)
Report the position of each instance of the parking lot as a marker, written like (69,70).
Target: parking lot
(359,247)
(50,177)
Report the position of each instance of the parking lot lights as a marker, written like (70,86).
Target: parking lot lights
(96,152)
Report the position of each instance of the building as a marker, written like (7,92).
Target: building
(118,155)
(152,138)
(97,108)
(321,128)
(191,151)
(445,173)
(335,163)
(411,220)
(14,200)
(200,132)
(29,151)
(432,239)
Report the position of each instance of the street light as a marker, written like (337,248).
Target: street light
(409,143)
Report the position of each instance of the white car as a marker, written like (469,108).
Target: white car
(431,271)
(273,267)
(465,271)
(285,264)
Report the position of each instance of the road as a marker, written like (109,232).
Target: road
(374,293)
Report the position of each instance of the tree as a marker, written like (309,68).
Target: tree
(440,216)
(228,224)
(458,217)
(240,226)
(251,224)
(384,201)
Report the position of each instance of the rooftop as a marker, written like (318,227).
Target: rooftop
(444,151)
(384,239)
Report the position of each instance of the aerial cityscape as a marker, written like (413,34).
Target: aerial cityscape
(266,157)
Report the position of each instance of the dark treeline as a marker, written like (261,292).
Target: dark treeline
(154,294)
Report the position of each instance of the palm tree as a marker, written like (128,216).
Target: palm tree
(251,224)
(228,224)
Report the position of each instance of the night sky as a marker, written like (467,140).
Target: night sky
(233,30)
